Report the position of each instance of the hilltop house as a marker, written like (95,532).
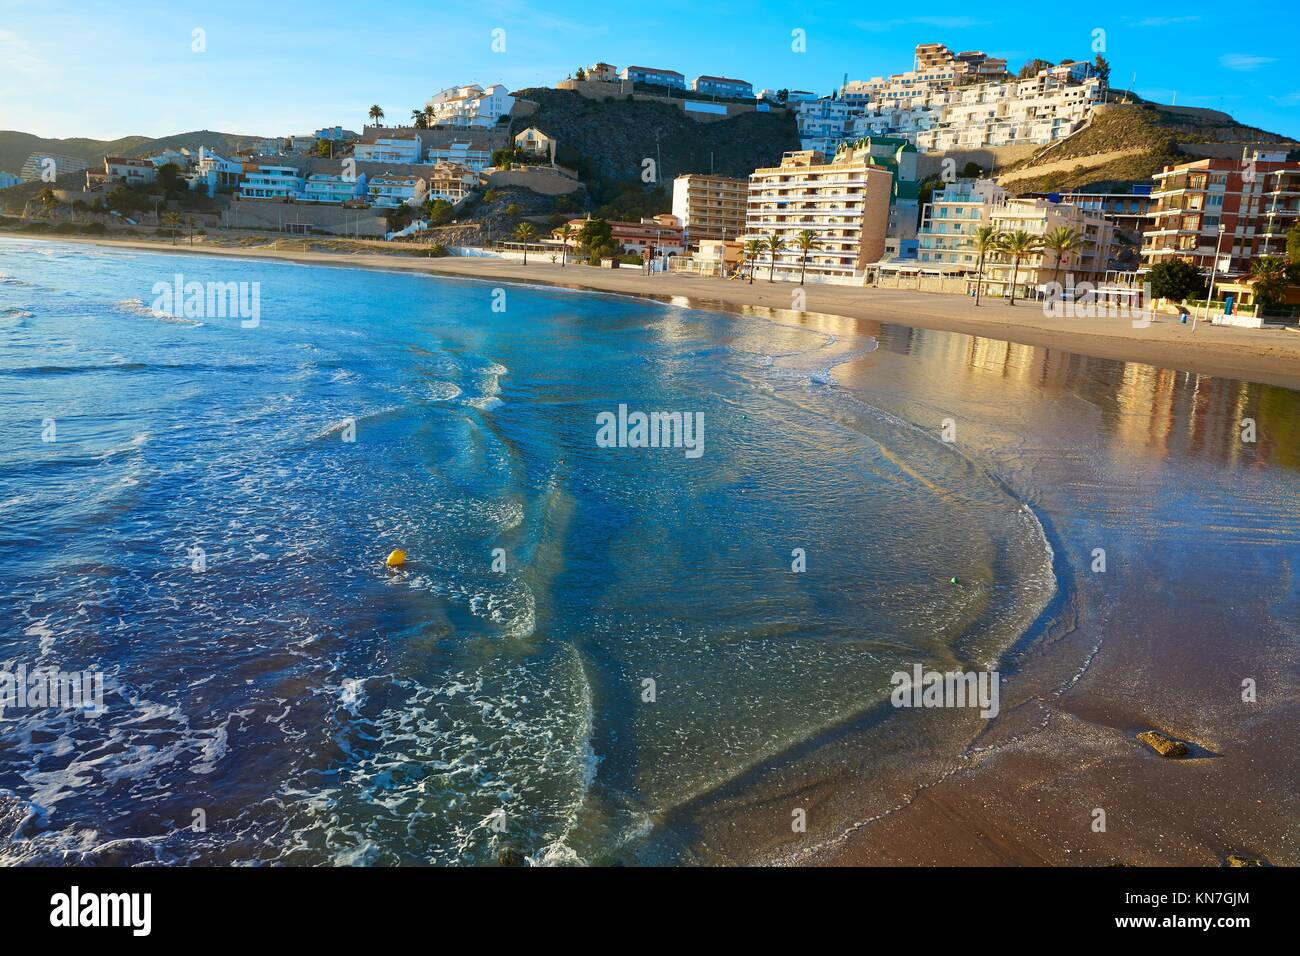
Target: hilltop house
(535,142)
(655,77)
(723,86)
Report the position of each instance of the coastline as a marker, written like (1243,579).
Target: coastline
(1267,356)
(1011,799)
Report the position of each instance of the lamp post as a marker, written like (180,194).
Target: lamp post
(1214,271)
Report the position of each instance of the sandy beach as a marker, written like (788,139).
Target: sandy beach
(1026,789)
(1270,356)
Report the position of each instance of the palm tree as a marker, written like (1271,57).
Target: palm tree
(987,240)
(429,114)
(376,113)
(772,246)
(806,241)
(753,249)
(525,232)
(566,233)
(172,219)
(1061,241)
(417,119)
(1018,245)
(1268,282)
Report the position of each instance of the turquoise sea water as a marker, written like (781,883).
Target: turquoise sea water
(317,707)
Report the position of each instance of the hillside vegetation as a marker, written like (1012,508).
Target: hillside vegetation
(1125,144)
(607,141)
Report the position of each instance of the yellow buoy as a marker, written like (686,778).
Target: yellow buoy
(396,558)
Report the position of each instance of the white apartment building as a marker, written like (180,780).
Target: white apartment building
(395,148)
(471,106)
(390,191)
(957,101)
(272,182)
(844,202)
(334,188)
(470,155)
(949,222)
(822,123)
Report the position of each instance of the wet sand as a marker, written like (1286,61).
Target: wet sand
(1160,643)
(1258,355)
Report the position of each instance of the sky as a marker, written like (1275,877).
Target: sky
(106,70)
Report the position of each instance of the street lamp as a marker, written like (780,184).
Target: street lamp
(1214,271)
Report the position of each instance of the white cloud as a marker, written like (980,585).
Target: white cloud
(1245,62)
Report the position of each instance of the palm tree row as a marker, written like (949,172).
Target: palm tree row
(806,241)
(1019,245)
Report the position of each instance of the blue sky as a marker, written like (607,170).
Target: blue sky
(90,68)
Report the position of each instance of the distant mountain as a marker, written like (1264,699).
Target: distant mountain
(15,147)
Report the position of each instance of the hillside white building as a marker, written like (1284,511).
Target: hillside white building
(956,101)
(393,148)
(272,182)
(471,106)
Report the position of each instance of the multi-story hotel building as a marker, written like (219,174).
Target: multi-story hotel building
(1229,210)
(710,207)
(1130,212)
(947,237)
(844,202)
(948,224)
(1039,217)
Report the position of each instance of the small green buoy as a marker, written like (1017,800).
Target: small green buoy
(953,581)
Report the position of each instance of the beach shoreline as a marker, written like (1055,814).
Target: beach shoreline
(1267,356)
(1022,795)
